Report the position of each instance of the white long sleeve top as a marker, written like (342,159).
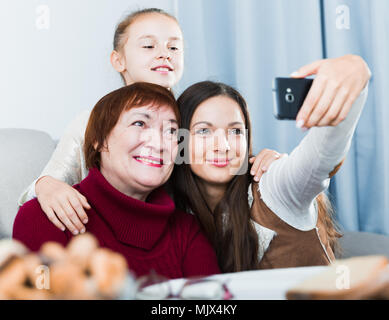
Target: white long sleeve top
(291,184)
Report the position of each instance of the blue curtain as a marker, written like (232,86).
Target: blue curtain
(247,43)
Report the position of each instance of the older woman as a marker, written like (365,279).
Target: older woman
(130,147)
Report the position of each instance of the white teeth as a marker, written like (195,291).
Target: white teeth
(148,160)
(162,69)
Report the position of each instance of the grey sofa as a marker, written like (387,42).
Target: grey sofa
(25,153)
(363,244)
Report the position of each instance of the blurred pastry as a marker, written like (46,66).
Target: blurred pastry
(52,251)
(69,281)
(355,278)
(109,270)
(10,248)
(22,292)
(80,249)
(82,270)
(12,274)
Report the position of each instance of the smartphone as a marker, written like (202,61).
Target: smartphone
(288,96)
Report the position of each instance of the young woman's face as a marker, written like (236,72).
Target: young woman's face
(141,149)
(217,141)
(154,51)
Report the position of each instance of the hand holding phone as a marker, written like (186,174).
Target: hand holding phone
(289,95)
(338,82)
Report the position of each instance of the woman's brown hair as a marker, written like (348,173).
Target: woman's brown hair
(109,108)
(229,226)
(233,236)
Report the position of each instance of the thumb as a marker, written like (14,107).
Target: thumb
(307,70)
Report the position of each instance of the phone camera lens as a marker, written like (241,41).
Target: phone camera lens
(289,97)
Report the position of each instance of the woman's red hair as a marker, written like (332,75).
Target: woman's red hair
(108,110)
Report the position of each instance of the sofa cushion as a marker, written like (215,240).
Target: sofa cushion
(362,244)
(24,154)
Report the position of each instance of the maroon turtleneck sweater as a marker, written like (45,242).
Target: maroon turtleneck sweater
(150,235)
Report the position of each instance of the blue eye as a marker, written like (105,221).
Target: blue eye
(236,131)
(138,123)
(203,131)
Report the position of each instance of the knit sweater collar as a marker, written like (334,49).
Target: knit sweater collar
(132,221)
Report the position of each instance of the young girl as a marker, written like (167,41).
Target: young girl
(148,47)
(284,220)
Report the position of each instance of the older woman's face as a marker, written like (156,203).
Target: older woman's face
(140,151)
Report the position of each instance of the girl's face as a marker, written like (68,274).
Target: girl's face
(141,149)
(153,51)
(217,141)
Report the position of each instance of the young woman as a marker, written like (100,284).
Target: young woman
(130,147)
(284,220)
(147,46)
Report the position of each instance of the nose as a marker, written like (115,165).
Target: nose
(164,53)
(152,139)
(221,143)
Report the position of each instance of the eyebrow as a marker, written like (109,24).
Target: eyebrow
(153,37)
(173,121)
(141,114)
(235,123)
(202,122)
(148,116)
(210,124)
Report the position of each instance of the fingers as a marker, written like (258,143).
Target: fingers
(307,70)
(332,115)
(256,170)
(63,204)
(345,110)
(323,105)
(338,83)
(69,212)
(312,98)
(63,217)
(257,162)
(84,204)
(74,211)
(53,218)
(262,163)
(267,161)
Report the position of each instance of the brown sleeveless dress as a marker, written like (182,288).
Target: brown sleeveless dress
(291,247)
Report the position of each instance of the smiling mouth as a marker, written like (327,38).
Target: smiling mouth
(220,163)
(163,69)
(150,161)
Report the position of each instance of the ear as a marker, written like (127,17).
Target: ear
(103,148)
(117,61)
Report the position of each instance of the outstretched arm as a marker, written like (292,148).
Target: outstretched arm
(292,183)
